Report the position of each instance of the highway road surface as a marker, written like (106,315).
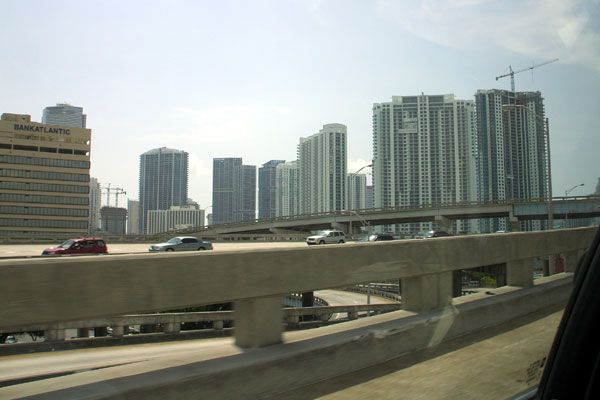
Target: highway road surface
(16,250)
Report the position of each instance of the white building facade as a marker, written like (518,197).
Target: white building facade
(286,189)
(322,170)
(356,192)
(95,205)
(176,217)
(424,154)
(133,217)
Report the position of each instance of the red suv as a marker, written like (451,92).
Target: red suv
(78,246)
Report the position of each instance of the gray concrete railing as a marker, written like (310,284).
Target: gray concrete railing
(45,291)
(374,291)
(171,322)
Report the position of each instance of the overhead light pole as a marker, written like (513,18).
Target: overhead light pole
(566,195)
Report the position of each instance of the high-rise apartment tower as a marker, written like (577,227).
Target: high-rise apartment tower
(234,191)
(513,149)
(322,170)
(267,189)
(286,193)
(424,153)
(163,181)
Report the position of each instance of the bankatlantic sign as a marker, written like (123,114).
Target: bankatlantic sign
(42,129)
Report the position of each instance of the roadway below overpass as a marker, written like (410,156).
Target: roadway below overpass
(491,363)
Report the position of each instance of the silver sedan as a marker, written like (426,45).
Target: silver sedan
(182,243)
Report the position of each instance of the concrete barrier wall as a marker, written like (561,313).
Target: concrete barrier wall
(41,291)
(279,369)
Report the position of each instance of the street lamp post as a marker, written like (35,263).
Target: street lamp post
(368,232)
(566,195)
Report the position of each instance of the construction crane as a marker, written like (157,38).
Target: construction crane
(116,191)
(512,73)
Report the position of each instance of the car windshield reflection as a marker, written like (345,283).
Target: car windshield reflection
(66,244)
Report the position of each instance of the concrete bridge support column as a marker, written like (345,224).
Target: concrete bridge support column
(571,260)
(341,226)
(519,273)
(100,331)
(427,292)
(444,223)
(54,335)
(552,264)
(118,331)
(515,225)
(83,332)
(172,327)
(258,322)
(218,325)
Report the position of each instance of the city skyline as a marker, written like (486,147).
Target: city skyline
(270,84)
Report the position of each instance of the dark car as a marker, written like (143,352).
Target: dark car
(377,237)
(434,234)
(182,243)
(85,245)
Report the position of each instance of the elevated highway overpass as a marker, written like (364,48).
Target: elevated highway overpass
(48,292)
(559,208)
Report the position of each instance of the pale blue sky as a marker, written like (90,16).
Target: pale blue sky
(248,78)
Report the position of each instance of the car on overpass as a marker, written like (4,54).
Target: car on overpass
(432,234)
(377,237)
(182,243)
(326,236)
(84,245)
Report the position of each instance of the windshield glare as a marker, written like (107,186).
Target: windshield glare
(173,241)
(66,244)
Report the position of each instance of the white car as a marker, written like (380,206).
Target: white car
(328,236)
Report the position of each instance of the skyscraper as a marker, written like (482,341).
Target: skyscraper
(234,191)
(45,178)
(512,141)
(424,153)
(356,192)
(267,189)
(133,217)
(286,192)
(322,170)
(163,181)
(64,115)
(95,205)
(369,197)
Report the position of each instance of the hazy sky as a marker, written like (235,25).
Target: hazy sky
(249,78)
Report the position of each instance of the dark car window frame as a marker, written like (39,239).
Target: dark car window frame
(572,368)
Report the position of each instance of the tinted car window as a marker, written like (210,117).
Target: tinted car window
(189,240)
